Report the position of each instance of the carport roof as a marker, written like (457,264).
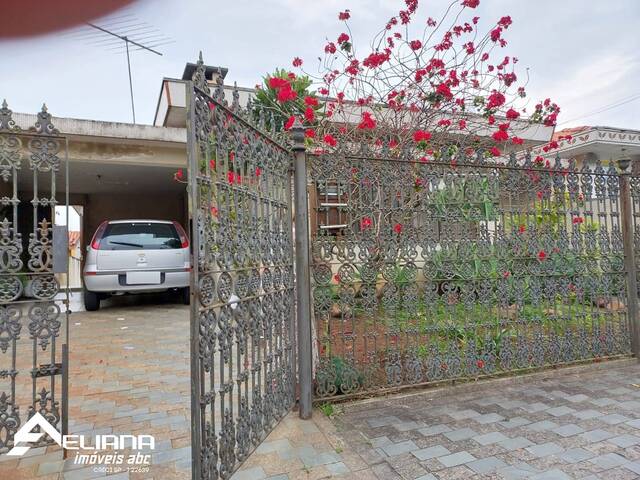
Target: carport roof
(75,127)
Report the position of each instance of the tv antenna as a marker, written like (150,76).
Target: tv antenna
(125,33)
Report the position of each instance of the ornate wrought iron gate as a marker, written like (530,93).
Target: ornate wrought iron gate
(242,307)
(33,316)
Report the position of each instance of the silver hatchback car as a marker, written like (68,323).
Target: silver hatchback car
(135,256)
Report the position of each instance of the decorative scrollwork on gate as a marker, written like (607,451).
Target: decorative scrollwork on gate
(240,184)
(460,267)
(28,285)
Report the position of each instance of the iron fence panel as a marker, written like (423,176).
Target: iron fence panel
(428,271)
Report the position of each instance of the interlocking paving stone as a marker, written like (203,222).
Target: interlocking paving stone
(428,476)
(516,472)
(463,414)
(490,438)
(614,419)
(434,430)
(596,435)
(460,434)
(515,443)
(400,448)
(609,460)
(603,402)
(633,466)
(515,422)
(568,430)
(545,449)
(486,465)
(587,414)
(634,423)
(406,426)
(625,440)
(535,407)
(554,474)
(581,397)
(456,459)
(488,418)
(575,455)
(383,421)
(560,411)
(430,452)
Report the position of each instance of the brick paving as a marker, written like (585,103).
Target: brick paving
(130,374)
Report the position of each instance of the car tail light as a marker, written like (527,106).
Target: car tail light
(184,240)
(95,241)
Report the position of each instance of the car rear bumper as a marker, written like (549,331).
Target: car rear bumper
(116,282)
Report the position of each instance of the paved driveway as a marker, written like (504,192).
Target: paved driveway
(129,375)
(582,422)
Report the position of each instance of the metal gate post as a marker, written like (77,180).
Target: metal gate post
(303,284)
(192,195)
(629,255)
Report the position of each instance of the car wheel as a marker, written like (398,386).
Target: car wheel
(185,296)
(91,301)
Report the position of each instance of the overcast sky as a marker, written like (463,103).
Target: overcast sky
(584,54)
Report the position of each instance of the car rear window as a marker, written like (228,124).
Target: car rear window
(140,236)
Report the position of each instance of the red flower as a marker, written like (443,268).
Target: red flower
(500,136)
(462,124)
(421,136)
(212,164)
(495,151)
(343,38)
(211,106)
(496,99)
(512,114)
(311,101)
(310,115)
(330,48)
(506,274)
(297,62)
(480,364)
(522,228)
(504,22)
(179,175)
(367,122)
(471,3)
(415,44)
(542,255)
(290,121)
(578,220)
(258,171)
(517,140)
(310,133)
(397,228)
(286,94)
(344,15)
(444,90)
(330,140)
(230,177)
(214,211)
(337,278)
(278,83)
(365,223)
